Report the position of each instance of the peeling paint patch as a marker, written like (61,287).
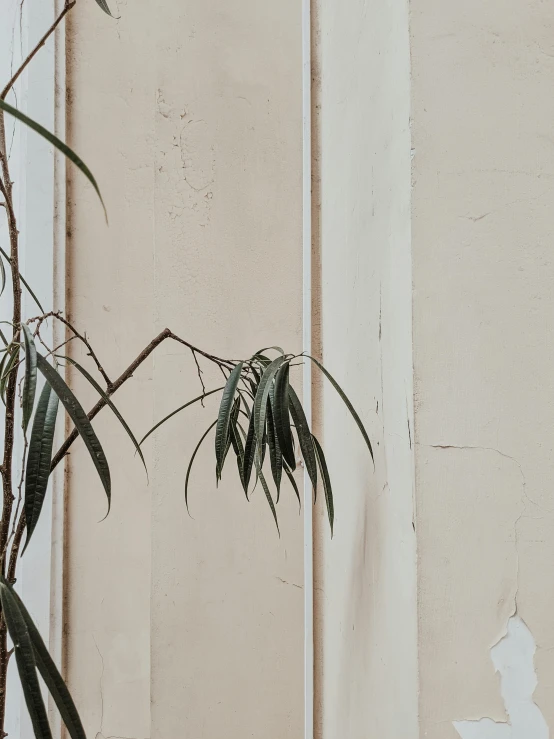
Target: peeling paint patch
(513,659)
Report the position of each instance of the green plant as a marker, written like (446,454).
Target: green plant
(260,416)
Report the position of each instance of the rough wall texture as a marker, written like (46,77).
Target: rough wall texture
(366,680)
(190,116)
(483,173)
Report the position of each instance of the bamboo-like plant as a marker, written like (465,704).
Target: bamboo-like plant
(260,415)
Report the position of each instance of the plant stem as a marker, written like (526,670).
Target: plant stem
(40,44)
(145,353)
(11,394)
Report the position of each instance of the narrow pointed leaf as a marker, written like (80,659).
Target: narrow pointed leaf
(39,458)
(232,420)
(304,435)
(293,483)
(5,358)
(31,293)
(55,141)
(178,410)
(26,664)
(249,453)
(260,352)
(238,448)
(267,494)
(281,415)
(275,455)
(262,360)
(224,416)
(261,401)
(109,403)
(8,367)
(347,403)
(51,676)
(104,5)
(326,482)
(195,452)
(3,276)
(82,423)
(30,386)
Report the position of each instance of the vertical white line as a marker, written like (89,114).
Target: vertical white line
(58,295)
(307,376)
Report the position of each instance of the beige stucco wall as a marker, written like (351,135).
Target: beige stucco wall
(190,116)
(433,181)
(366,677)
(483,321)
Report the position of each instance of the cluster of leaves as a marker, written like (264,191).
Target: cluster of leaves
(260,413)
(32,658)
(260,417)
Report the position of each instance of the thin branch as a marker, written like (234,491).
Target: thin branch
(145,353)
(19,497)
(223,364)
(15,549)
(11,392)
(33,53)
(200,373)
(57,314)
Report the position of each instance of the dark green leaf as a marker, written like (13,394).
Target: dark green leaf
(326,482)
(55,141)
(238,448)
(181,408)
(249,453)
(82,424)
(267,494)
(10,365)
(6,358)
(275,455)
(51,676)
(26,664)
(210,427)
(293,483)
(261,401)
(347,403)
(39,458)
(30,386)
(232,421)
(257,377)
(117,414)
(260,352)
(304,435)
(224,417)
(104,5)
(3,276)
(31,293)
(281,415)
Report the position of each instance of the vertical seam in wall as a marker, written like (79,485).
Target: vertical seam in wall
(307,370)
(58,560)
(412,403)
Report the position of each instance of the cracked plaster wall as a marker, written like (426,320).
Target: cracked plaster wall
(483,271)
(189,114)
(366,641)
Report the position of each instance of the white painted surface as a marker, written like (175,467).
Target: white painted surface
(307,370)
(36,173)
(513,660)
(366,648)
